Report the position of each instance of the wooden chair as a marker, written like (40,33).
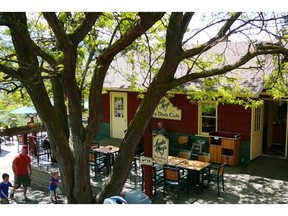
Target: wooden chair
(184,154)
(204,157)
(182,142)
(174,177)
(157,176)
(216,176)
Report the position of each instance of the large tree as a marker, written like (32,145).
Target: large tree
(36,54)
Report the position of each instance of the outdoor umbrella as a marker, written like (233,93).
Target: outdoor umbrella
(24,110)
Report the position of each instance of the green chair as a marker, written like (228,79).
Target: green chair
(216,175)
(157,176)
(97,161)
(175,178)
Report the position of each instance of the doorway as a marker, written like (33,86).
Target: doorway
(118,114)
(275,128)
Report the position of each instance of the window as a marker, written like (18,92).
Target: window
(118,107)
(257,119)
(207,117)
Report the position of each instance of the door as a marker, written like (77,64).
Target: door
(256,132)
(118,114)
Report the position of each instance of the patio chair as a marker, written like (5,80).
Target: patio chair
(97,161)
(216,175)
(184,154)
(205,157)
(157,176)
(43,151)
(182,142)
(174,177)
(197,147)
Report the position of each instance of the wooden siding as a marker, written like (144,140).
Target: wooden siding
(106,108)
(233,118)
(189,122)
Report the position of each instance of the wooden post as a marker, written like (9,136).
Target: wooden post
(24,137)
(148,153)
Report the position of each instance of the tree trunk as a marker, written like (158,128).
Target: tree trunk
(122,165)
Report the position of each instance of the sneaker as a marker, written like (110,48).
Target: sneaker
(12,196)
(53,201)
(26,199)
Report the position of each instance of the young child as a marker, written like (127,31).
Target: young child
(53,187)
(4,189)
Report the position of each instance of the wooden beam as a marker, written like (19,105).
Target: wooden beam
(21,130)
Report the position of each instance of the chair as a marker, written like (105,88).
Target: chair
(184,154)
(216,176)
(197,147)
(95,145)
(204,157)
(157,176)
(97,161)
(174,177)
(43,151)
(182,142)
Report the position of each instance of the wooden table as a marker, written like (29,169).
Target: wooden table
(109,151)
(192,166)
(174,161)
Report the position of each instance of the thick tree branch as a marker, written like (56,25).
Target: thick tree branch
(58,29)
(9,71)
(213,41)
(78,35)
(185,21)
(103,63)
(48,58)
(22,42)
(86,69)
(132,34)
(260,50)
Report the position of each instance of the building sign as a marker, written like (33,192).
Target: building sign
(166,110)
(146,161)
(160,149)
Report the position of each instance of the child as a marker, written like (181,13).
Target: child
(4,188)
(53,186)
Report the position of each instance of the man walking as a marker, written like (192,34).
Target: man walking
(21,167)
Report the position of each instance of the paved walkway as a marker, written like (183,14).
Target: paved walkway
(263,181)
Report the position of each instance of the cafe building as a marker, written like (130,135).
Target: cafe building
(258,131)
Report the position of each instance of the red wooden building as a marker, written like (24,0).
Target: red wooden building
(263,129)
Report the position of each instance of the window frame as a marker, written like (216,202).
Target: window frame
(200,126)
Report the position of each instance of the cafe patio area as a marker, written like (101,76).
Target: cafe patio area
(263,181)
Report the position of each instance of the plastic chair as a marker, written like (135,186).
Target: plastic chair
(216,176)
(174,177)
(157,176)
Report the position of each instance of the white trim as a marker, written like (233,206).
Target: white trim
(125,110)
(200,133)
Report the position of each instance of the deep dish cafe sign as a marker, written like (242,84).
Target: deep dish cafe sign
(160,150)
(166,110)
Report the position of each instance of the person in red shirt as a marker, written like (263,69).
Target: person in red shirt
(21,167)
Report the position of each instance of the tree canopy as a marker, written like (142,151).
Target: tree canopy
(68,57)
